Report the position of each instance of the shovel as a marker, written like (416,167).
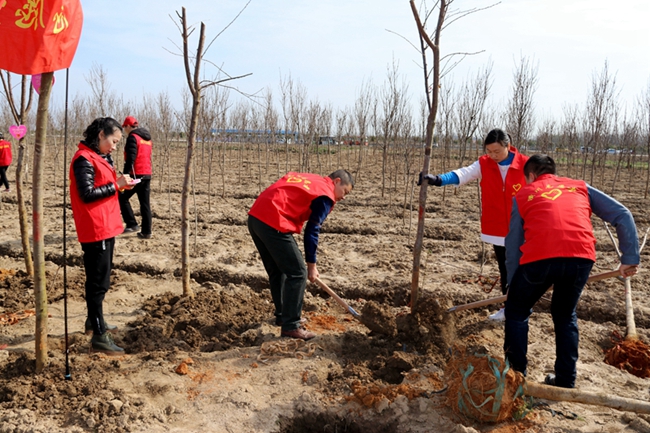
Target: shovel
(373,317)
(503,298)
(337,298)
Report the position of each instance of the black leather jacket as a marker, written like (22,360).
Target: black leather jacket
(84,174)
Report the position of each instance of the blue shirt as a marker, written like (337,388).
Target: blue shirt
(320,208)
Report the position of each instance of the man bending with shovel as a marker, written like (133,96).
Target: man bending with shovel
(278,212)
(551,243)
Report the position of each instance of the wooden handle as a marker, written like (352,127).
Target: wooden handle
(476,304)
(503,298)
(630,333)
(336,297)
(600,399)
(603,276)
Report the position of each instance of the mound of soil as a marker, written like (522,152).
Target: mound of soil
(213,320)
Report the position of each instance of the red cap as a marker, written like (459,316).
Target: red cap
(130,121)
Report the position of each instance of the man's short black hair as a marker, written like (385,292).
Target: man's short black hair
(539,165)
(344,175)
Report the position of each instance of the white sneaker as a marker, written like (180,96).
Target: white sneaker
(499,316)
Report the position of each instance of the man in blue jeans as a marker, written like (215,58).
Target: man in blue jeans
(551,243)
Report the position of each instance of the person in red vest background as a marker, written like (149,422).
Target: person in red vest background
(501,173)
(279,212)
(137,164)
(94,187)
(551,242)
(5,161)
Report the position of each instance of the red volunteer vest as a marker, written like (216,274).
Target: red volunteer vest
(142,164)
(5,153)
(285,205)
(556,214)
(100,219)
(496,197)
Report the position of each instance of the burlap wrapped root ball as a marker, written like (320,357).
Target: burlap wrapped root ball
(482,387)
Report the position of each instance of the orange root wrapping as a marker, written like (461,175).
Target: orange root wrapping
(13,318)
(372,395)
(482,387)
(631,355)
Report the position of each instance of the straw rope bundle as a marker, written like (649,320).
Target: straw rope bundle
(482,387)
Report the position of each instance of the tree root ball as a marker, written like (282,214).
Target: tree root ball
(629,354)
(482,387)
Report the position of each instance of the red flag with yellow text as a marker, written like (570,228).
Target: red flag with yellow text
(39,36)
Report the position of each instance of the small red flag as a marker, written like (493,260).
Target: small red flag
(39,36)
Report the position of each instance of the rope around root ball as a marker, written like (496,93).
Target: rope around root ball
(482,387)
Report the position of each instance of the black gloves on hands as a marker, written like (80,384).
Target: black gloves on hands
(433,180)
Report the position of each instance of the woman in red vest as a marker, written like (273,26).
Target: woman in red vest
(5,161)
(501,173)
(93,194)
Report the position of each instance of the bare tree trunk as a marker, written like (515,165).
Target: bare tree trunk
(40,294)
(20,117)
(647,176)
(210,156)
(644,122)
(431,121)
(223,171)
(195,89)
(520,106)
(22,210)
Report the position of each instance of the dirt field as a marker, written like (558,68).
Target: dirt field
(239,376)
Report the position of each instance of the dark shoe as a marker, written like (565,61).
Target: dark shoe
(301,333)
(105,344)
(143,236)
(550,379)
(88,327)
(131,229)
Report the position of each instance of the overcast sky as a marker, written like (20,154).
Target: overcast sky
(332,46)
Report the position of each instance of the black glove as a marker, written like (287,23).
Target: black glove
(433,180)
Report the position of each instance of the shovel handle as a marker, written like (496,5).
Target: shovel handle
(503,298)
(336,297)
(476,304)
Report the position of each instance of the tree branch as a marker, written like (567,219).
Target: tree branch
(229,24)
(421,29)
(10,99)
(465,13)
(214,83)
